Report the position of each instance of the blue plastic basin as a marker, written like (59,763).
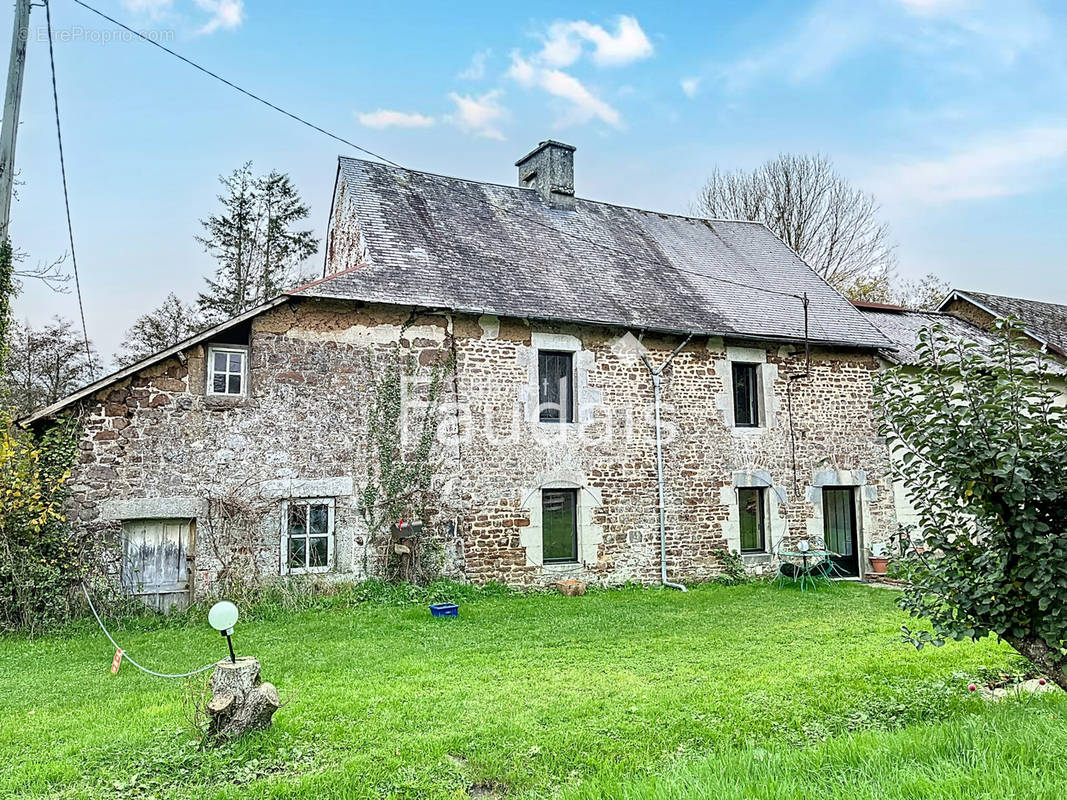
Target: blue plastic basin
(444,610)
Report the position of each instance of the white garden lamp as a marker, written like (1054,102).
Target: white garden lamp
(222,617)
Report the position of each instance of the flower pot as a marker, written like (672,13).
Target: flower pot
(879,565)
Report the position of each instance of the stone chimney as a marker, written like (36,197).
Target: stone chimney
(549,168)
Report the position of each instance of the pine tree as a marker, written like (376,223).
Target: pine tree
(254,241)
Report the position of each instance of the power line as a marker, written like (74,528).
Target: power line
(512,212)
(66,194)
(232,85)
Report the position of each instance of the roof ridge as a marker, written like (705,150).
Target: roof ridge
(393,168)
(1012,297)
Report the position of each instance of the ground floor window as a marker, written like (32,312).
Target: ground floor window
(308,535)
(559,523)
(752,503)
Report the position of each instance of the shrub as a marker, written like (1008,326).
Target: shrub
(983,439)
(39,556)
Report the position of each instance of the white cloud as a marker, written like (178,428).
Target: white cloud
(690,86)
(387,118)
(152,8)
(479,114)
(931,7)
(225,15)
(954,34)
(1010,164)
(564,42)
(475,70)
(582,105)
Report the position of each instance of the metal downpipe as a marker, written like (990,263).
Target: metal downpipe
(659,468)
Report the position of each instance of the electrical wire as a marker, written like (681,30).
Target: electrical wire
(128,657)
(525,217)
(232,85)
(66,194)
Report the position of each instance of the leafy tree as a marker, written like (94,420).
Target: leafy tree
(45,364)
(924,294)
(833,226)
(982,436)
(163,327)
(40,558)
(254,241)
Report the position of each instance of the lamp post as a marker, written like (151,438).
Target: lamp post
(222,617)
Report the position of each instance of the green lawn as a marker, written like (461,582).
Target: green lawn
(630,693)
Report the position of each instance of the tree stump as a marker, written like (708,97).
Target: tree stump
(239,701)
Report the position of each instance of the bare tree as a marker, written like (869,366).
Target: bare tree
(45,364)
(831,225)
(159,329)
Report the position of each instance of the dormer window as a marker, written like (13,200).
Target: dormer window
(226,371)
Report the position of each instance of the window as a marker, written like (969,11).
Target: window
(559,524)
(226,371)
(309,535)
(555,386)
(746,397)
(751,503)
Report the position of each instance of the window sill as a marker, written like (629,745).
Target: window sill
(224,401)
(562,566)
(748,430)
(756,557)
(307,570)
(558,427)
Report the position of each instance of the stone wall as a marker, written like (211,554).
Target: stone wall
(156,446)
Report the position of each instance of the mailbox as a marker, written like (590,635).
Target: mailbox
(405,529)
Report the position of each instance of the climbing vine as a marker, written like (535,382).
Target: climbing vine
(40,556)
(402,461)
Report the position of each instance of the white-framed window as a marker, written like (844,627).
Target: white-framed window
(555,382)
(227,370)
(307,535)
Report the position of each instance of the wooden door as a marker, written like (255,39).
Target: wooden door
(155,566)
(839,524)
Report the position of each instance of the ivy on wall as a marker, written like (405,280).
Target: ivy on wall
(403,463)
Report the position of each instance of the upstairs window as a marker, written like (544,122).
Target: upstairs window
(309,535)
(555,386)
(751,503)
(746,395)
(559,525)
(226,370)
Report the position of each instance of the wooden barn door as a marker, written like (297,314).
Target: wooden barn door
(155,561)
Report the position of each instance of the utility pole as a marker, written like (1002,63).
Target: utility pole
(12,100)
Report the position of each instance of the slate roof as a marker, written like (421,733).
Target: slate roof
(903,327)
(486,248)
(1046,322)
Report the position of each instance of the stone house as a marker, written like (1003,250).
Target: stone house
(966,317)
(561,321)
(1044,323)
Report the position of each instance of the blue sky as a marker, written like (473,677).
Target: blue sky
(953,112)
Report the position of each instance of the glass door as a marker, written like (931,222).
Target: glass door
(839,521)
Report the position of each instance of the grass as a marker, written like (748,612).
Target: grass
(629,693)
